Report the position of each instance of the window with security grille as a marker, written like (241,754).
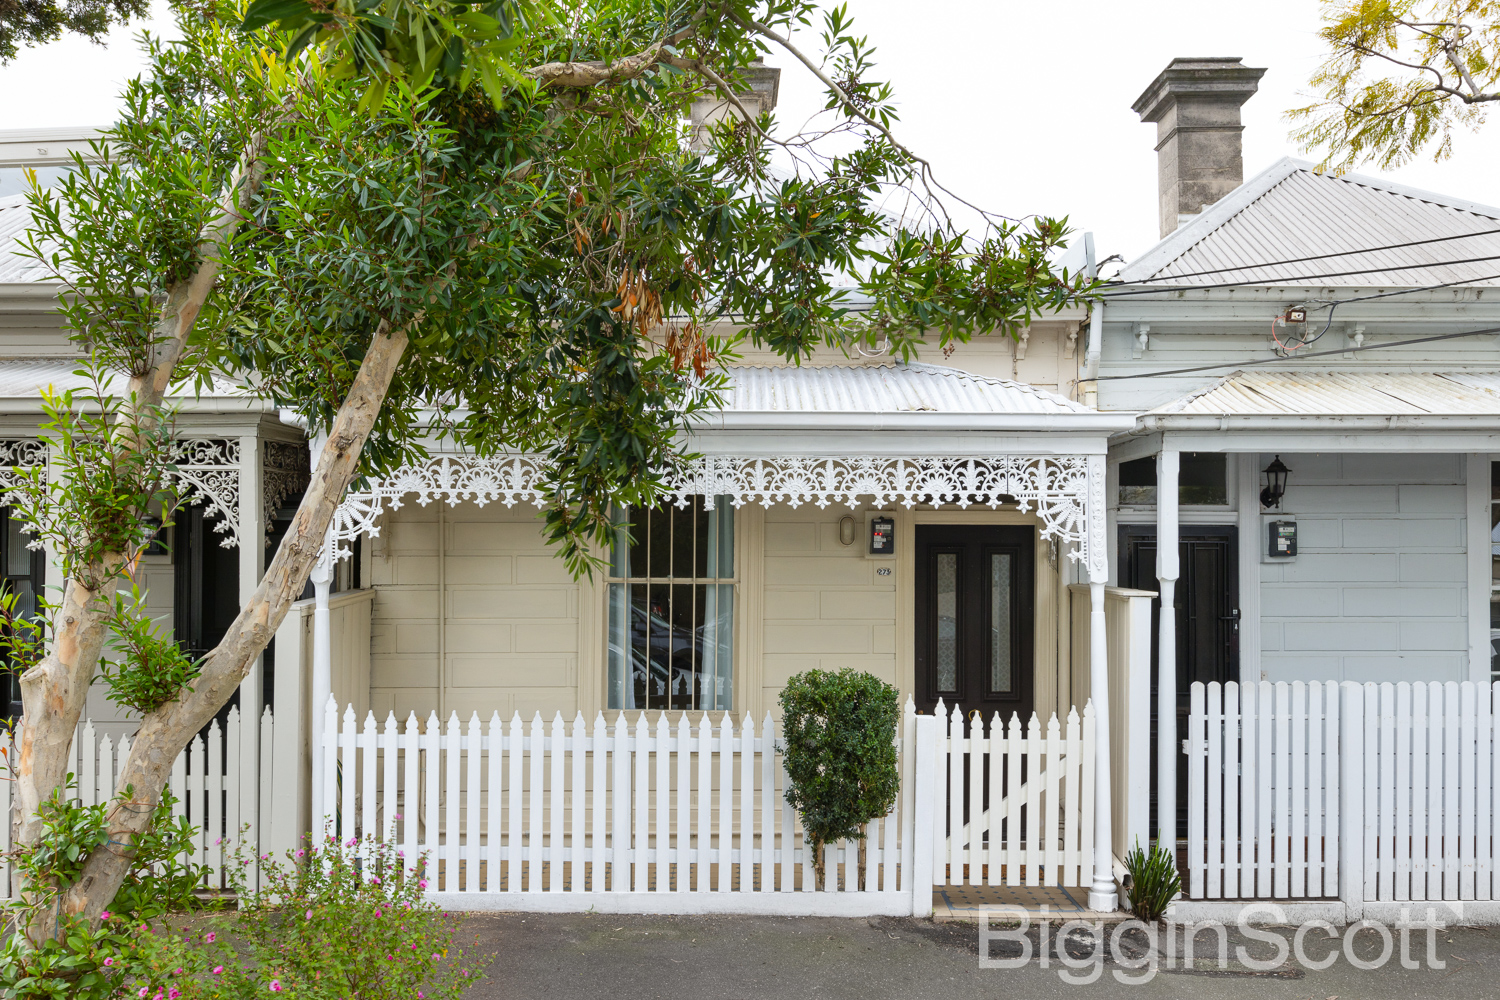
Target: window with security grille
(671,607)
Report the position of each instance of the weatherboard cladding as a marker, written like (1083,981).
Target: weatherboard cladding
(1345,393)
(1301,213)
(890,388)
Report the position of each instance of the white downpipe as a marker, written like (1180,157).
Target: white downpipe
(322,660)
(1167,569)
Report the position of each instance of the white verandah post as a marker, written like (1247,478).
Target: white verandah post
(1167,569)
(1102,892)
(322,666)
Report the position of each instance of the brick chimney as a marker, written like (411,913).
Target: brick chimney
(1195,104)
(762,85)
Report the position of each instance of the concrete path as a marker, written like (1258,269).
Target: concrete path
(765,958)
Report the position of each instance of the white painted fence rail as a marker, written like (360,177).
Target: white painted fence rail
(1019,802)
(1363,792)
(211,778)
(637,817)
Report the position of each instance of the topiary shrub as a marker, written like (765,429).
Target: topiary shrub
(839,739)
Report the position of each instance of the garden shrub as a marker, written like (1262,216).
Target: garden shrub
(1154,881)
(839,740)
(325,924)
(89,959)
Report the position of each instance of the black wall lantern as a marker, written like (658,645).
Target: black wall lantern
(1275,487)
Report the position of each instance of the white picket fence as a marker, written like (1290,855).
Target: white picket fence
(218,790)
(1430,776)
(629,817)
(1263,790)
(1020,802)
(1365,792)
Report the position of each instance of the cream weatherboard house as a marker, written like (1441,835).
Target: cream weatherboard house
(1283,417)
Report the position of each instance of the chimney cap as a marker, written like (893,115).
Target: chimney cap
(1219,77)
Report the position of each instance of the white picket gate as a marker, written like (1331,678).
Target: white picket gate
(1365,792)
(211,779)
(629,817)
(1019,803)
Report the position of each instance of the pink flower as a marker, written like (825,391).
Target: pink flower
(109,961)
(104,915)
(300,852)
(352,842)
(422,883)
(436,956)
(309,915)
(218,970)
(177,972)
(173,993)
(397,816)
(209,937)
(142,992)
(421,995)
(377,911)
(275,986)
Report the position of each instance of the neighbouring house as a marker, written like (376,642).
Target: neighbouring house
(1283,417)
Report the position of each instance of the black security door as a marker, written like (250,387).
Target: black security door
(974,591)
(1208,621)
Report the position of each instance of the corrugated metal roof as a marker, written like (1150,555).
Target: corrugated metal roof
(893,388)
(26,378)
(1344,393)
(1291,211)
(15,216)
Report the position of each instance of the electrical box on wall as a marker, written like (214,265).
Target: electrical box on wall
(1280,540)
(882,535)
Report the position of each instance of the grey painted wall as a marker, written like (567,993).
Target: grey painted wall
(1378,590)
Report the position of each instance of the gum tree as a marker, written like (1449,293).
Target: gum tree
(393,216)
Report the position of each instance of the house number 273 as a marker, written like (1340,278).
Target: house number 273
(883,571)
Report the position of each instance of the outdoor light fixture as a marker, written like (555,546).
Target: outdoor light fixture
(846,530)
(1275,487)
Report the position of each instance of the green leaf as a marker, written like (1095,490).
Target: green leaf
(265,12)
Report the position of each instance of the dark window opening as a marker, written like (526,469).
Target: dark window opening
(1202,480)
(24,572)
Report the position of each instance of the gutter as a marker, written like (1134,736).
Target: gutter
(918,420)
(1151,423)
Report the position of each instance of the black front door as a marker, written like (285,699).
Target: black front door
(1208,621)
(974,618)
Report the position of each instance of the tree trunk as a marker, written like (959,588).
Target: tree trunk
(53,691)
(166,731)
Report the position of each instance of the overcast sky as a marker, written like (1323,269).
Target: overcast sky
(1022,107)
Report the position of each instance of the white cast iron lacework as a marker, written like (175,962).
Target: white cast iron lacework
(1057,489)
(208,472)
(22,454)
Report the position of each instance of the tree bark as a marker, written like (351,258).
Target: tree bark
(53,692)
(166,731)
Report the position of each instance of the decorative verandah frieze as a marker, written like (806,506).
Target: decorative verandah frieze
(207,471)
(1061,490)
